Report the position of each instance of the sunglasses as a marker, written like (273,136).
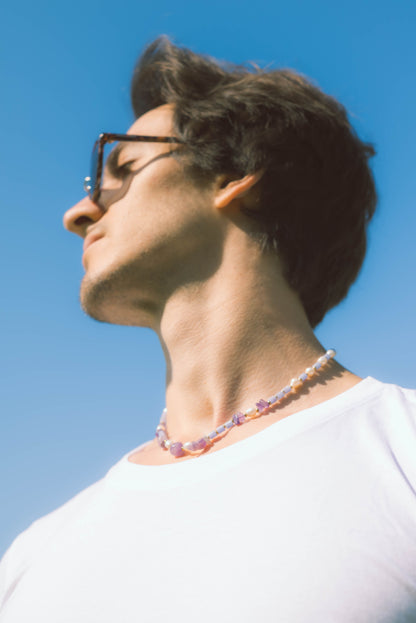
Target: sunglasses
(92,183)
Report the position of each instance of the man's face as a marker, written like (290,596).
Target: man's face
(152,232)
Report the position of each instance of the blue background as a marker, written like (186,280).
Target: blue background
(75,394)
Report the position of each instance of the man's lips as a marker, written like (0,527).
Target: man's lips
(90,239)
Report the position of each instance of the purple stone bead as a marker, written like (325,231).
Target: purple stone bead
(303,376)
(200,444)
(287,389)
(229,424)
(213,434)
(262,405)
(220,429)
(176,449)
(317,365)
(238,418)
(281,395)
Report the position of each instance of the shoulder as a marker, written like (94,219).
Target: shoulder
(374,404)
(387,399)
(386,424)
(397,403)
(389,408)
(29,544)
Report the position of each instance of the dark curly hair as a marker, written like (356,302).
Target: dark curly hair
(317,193)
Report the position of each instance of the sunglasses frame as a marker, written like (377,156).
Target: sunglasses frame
(92,183)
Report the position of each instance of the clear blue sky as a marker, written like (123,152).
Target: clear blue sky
(76,395)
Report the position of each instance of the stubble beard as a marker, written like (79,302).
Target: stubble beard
(113,298)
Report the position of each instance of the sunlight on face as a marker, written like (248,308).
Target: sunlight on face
(157,229)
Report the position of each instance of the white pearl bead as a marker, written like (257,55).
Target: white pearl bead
(331,352)
(295,383)
(310,371)
(323,360)
(250,412)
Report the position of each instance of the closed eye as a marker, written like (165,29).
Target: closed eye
(118,171)
(123,169)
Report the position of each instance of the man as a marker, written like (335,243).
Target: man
(279,486)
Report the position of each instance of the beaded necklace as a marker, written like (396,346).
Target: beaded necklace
(179,449)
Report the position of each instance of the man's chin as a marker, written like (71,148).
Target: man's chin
(104,300)
(93,298)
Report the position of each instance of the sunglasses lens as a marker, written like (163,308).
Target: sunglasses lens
(113,172)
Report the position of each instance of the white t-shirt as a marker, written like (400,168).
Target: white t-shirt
(311,520)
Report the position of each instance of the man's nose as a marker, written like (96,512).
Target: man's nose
(82,214)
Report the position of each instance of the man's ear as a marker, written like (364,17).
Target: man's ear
(233,189)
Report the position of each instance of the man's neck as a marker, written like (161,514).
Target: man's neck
(241,336)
